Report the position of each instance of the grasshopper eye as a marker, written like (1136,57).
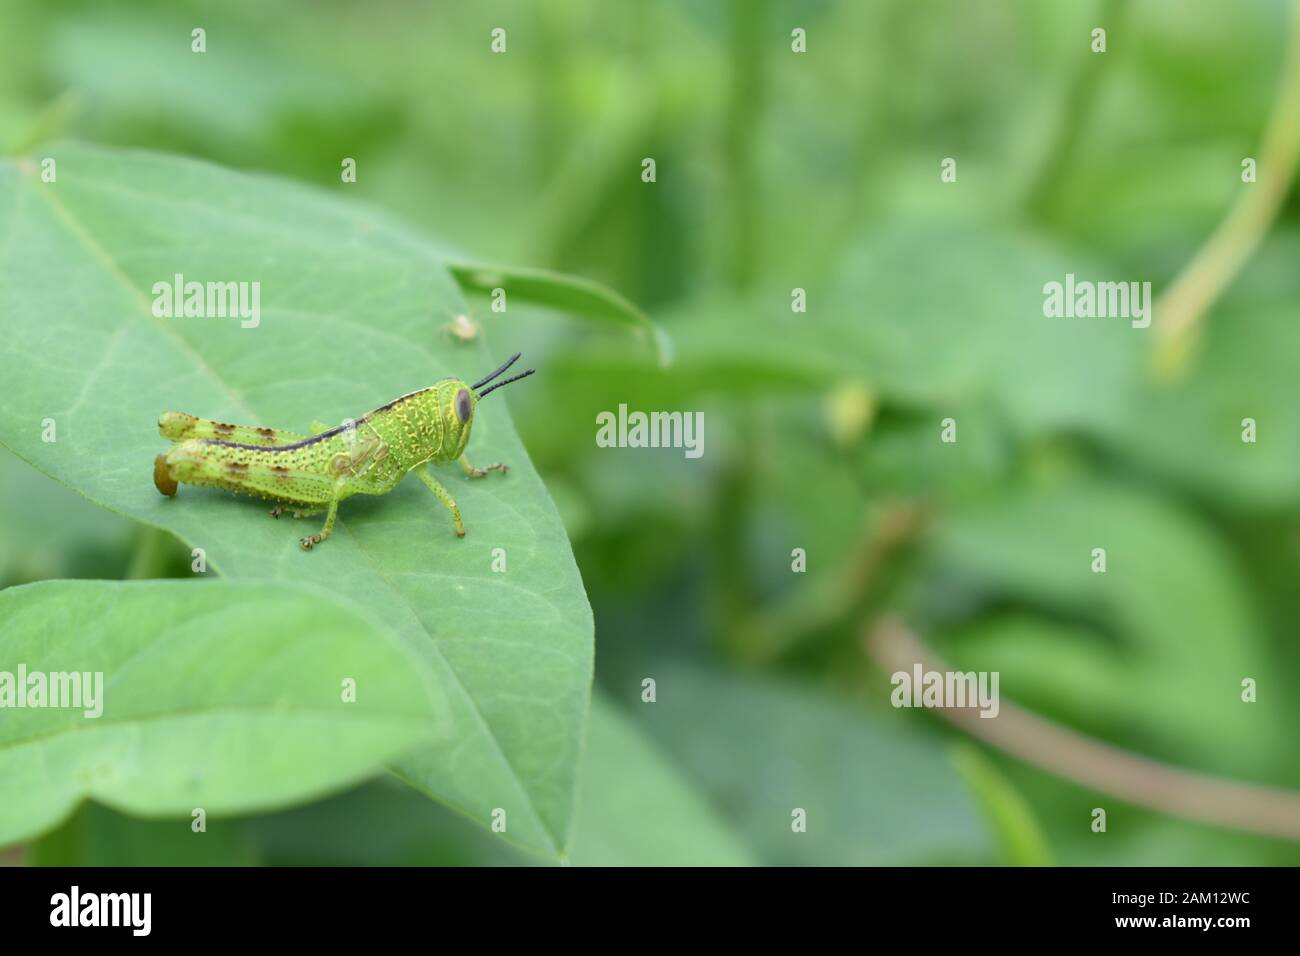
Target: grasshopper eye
(462,405)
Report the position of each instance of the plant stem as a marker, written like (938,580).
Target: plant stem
(1095,765)
(1182,307)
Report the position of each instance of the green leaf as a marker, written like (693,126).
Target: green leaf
(876,790)
(222,696)
(352,308)
(1155,648)
(581,297)
(940,313)
(98,836)
(955,310)
(381,823)
(236,96)
(635,808)
(51,532)
(1191,434)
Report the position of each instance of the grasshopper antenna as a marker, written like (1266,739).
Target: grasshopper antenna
(513,378)
(509,362)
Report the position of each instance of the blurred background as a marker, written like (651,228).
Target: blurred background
(817,171)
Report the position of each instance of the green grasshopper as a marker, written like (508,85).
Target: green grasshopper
(368,456)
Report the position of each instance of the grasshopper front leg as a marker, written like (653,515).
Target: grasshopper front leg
(473,472)
(443,495)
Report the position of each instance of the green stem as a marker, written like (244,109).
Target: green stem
(1181,309)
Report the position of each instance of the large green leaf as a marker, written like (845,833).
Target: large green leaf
(1191,433)
(351,312)
(97,836)
(944,311)
(1155,648)
(875,790)
(939,314)
(47,531)
(228,697)
(634,809)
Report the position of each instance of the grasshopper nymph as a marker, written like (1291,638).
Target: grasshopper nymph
(314,473)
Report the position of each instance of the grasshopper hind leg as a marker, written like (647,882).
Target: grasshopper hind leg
(180,426)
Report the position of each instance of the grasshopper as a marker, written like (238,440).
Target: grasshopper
(367,456)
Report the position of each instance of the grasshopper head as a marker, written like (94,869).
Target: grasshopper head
(462,399)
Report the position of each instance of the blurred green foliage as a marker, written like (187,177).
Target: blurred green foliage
(817,171)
